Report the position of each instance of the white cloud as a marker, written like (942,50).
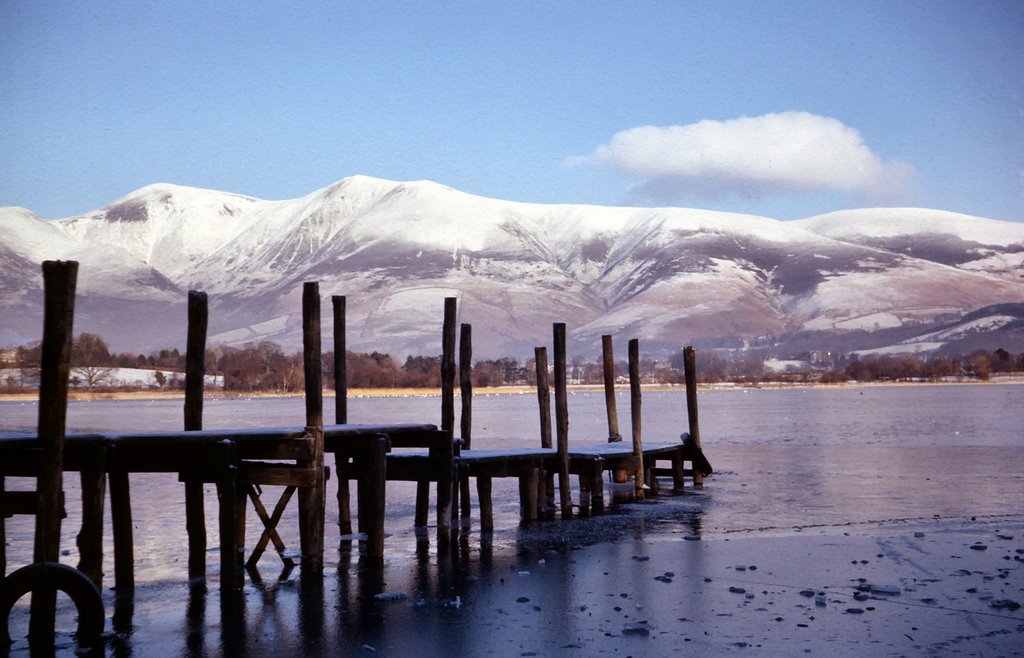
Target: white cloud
(749,157)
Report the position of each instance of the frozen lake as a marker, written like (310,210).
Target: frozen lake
(794,469)
(784,458)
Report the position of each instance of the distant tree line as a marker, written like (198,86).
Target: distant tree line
(264,366)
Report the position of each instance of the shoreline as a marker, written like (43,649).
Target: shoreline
(214,394)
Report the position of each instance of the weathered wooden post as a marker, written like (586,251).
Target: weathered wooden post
(466,397)
(311,499)
(195,373)
(547,482)
(60,282)
(341,412)
(701,466)
(608,361)
(46,575)
(562,420)
(634,410)
(446,476)
(543,395)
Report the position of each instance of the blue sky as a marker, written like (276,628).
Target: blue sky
(786,109)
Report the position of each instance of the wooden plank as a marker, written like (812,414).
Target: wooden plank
(19,503)
(562,420)
(635,419)
(279,475)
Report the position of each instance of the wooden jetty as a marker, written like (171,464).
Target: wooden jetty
(240,462)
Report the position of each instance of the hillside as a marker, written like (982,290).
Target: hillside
(669,276)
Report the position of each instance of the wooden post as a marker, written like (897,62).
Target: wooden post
(90,538)
(311,499)
(466,396)
(608,360)
(231,504)
(448,366)
(3,537)
(634,409)
(121,522)
(562,420)
(372,498)
(340,362)
(59,282)
(543,395)
(483,489)
(690,372)
(195,374)
(445,479)
(547,482)
(341,412)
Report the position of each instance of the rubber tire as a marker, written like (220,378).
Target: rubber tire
(79,588)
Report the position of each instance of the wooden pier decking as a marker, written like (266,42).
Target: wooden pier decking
(240,461)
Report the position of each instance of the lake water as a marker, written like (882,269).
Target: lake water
(783,458)
(787,462)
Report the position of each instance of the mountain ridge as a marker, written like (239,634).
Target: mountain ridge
(670,276)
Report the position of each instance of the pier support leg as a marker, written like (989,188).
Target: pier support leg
(422,503)
(372,497)
(483,492)
(344,495)
(90,537)
(124,541)
(195,526)
(528,495)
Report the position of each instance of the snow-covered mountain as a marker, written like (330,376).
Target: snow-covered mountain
(669,276)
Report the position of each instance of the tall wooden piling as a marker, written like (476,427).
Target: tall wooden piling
(543,395)
(634,412)
(562,420)
(195,374)
(546,495)
(608,361)
(690,373)
(311,499)
(338,303)
(444,483)
(340,362)
(466,397)
(59,282)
